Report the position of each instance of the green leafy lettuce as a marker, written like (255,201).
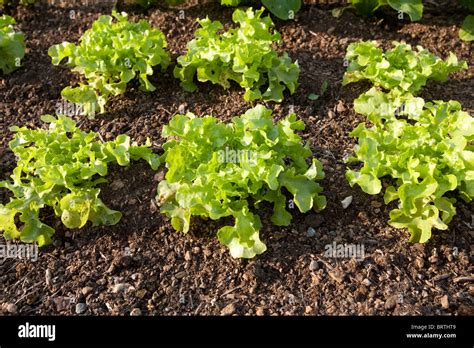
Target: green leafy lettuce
(60,168)
(400,67)
(425,148)
(109,55)
(12,45)
(466,32)
(244,55)
(217,170)
(414,8)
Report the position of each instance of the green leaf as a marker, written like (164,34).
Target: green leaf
(324,88)
(469,4)
(414,8)
(366,7)
(243,239)
(283,9)
(466,32)
(338,11)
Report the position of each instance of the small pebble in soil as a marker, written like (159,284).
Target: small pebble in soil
(366,282)
(445,302)
(346,202)
(141,293)
(313,266)
(311,232)
(153,206)
(433,258)
(187,256)
(81,308)
(419,262)
(86,290)
(391,303)
(48,277)
(229,309)
(136,312)
(340,108)
(11,308)
(121,287)
(155,297)
(337,275)
(180,275)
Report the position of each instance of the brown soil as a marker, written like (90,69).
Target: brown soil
(176,274)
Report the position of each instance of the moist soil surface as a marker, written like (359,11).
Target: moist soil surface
(143,266)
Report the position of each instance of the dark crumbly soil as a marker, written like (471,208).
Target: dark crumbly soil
(166,272)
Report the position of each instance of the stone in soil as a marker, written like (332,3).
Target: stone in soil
(229,309)
(136,312)
(11,308)
(313,266)
(86,290)
(391,303)
(445,302)
(81,308)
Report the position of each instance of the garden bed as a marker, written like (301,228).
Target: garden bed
(142,265)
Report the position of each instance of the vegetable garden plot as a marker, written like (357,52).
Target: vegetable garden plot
(271,211)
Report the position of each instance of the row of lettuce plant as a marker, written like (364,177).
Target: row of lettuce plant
(229,172)
(112,53)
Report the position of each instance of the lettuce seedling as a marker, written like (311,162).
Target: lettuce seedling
(244,55)
(12,45)
(398,68)
(109,55)
(427,151)
(60,168)
(217,170)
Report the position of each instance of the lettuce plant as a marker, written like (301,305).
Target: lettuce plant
(12,45)
(244,55)
(400,67)
(427,151)
(60,168)
(217,170)
(109,55)
(414,8)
